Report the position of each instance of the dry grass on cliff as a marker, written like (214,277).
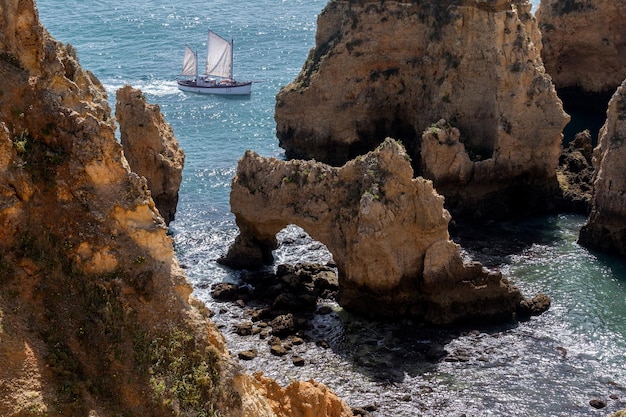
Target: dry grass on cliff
(97,351)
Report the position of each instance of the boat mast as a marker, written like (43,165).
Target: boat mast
(232,53)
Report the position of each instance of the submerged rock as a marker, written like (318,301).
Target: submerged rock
(392,69)
(605,228)
(387,232)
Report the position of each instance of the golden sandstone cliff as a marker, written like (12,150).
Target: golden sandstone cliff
(585,53)
(395,68)
(150,148)
(584,43)
(96,317)
(606,226)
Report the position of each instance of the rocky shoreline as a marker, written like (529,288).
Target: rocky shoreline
(447,97)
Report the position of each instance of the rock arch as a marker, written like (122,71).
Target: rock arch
(387,232)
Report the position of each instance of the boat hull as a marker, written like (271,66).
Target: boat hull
(239,88)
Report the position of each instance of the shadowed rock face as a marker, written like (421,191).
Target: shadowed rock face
(584,43)
(392,69)
(606,226)
(151,149)
(584,51)
(387,231)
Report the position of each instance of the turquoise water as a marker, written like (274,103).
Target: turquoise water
(551,365)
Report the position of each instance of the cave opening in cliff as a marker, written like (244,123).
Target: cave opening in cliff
(397,128)
(587,110)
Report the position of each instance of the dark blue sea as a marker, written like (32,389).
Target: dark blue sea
(551,365)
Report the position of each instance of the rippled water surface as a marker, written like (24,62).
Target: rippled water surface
(551,365)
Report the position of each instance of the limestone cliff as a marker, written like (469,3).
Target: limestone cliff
(96,317)
(150,148)
(606,226)
(394,68)
(584,43)
(387,232)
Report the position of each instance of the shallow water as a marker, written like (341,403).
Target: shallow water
(551,365)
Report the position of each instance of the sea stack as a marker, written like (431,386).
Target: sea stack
(393,69)
(150,148)
(605,229)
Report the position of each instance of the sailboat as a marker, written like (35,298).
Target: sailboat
(218,76)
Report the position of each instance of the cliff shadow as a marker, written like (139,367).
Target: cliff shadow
(587,111)
(495,243)
(296,300)
(387,351)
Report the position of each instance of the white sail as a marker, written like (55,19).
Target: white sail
(190,67)
(219,61)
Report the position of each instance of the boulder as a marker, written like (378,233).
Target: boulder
(150,148)
(387,232)
(392,69)
(605,228)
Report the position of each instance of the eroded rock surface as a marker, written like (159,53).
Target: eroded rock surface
(299,399)
(96,317)
(606,226)
(584,43)
(575,174)
(150,148)
(394,68)
(387,231)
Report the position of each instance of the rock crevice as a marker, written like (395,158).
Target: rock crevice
(605,228)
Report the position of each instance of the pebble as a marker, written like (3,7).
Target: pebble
(323,344)
(244,329)
(296,341)
(278,350)
(247,355)
(324,310)
(597,403)
(298,361)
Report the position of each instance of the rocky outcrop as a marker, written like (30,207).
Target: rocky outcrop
(387,232)
(96,316)
(605,228)
(150,148)
(299,399)
(584,43)
(394,68)
(575,174)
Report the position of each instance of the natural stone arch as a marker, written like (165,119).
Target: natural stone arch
(295,246)
(387,232)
